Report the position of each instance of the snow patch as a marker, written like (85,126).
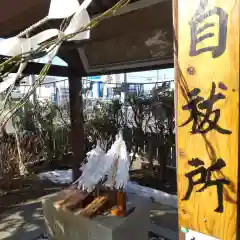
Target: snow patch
(57,176)
(157,195)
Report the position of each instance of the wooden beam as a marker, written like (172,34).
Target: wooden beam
(55,70)
(77,123)
(70,55)
(35,68)
(208,116)
(125,68)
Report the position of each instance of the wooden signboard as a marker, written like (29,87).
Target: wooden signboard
(207,81)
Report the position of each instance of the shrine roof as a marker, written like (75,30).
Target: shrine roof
(16,16)
(138,36)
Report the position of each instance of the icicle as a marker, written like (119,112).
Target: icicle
(121,174)
(103,166)
(100,164)
(87,180)
(109,158)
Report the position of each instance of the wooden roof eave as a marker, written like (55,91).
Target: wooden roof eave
(70,51)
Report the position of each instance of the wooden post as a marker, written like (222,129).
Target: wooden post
(207,83)
(77,123)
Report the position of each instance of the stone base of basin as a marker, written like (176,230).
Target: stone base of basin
(67,225)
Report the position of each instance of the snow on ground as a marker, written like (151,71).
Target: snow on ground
(57,176)
(65,177)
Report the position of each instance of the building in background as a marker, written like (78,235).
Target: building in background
(139,83)
(56,89)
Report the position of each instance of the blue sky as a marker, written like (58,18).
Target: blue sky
(56,61)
